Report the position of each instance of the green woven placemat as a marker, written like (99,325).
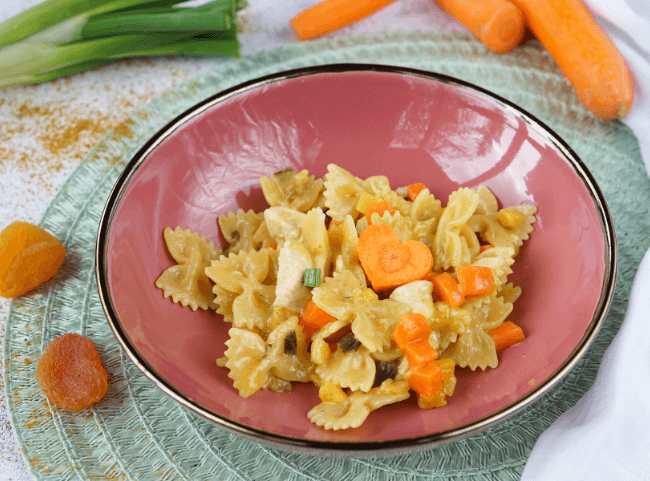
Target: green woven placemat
(137,433)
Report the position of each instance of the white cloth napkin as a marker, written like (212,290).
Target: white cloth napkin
(606,435)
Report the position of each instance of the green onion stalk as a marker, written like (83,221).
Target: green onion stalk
(62,37)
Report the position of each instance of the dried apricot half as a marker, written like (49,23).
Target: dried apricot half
(71,374)
(29,256)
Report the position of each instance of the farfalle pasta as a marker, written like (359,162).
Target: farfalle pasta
(368,292)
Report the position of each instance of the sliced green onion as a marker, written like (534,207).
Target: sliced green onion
(311,277)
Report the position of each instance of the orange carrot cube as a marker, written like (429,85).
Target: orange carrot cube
(448,289)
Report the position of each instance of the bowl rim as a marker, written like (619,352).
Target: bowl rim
(340,448)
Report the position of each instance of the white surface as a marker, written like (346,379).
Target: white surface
(605,436)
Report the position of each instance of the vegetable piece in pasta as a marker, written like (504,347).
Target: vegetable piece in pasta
(245,287)
(352,412)
(288,188)
(186,282)
(453,243)
(475,348)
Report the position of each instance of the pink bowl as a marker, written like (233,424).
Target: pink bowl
(411,126)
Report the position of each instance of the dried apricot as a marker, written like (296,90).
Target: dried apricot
(29,256)
(71,374)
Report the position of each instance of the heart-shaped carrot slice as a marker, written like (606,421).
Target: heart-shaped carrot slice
(389,263)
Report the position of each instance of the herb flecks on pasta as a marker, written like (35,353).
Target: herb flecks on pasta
(363,349)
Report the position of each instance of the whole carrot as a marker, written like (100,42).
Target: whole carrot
(585,54)
(499,24)
(330,15)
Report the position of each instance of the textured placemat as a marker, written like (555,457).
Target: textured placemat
(137,433)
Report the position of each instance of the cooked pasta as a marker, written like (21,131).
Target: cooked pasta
(364,348)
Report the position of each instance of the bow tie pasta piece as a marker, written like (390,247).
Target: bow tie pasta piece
(509,292)
(244,359)
(295,190)
(487,203)
(244,231)
(354,369)
(337,294)
(375,321)
(447,324)
(500,230)
(186,282)
(353,411)
(475,348)
(454,243)
(426,207)
(245,287)
(255,364)
(342,192)
(343,239)
(288,352)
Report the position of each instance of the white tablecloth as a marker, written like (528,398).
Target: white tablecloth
(606,435)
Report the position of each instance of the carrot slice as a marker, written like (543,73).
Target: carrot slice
(330,15)
(314,317)
(448,289)
(389,263)
(499,24)
(426,379)
(475,280)
(413,190)
(585,54)
(506,335)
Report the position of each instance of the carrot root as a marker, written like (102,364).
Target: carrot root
(582,50)
(499,24)
(330,15)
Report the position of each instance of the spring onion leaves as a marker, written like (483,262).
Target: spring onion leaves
(61,37)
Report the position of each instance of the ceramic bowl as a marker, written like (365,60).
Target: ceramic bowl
(411,126)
